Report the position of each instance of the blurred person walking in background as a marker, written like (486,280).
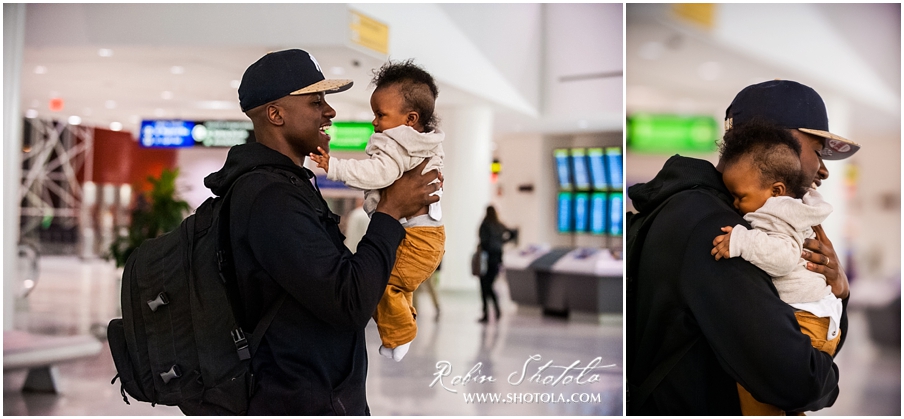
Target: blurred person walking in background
(493,235)
(430,286)
(357,221)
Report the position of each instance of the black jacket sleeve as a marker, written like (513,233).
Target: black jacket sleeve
(294,247)
(754,334)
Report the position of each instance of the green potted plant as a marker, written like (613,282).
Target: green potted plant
(157,211)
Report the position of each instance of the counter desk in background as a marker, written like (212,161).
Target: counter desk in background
(564,281)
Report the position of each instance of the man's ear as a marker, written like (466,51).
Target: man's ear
(275,114)
(412,119)
(778,189)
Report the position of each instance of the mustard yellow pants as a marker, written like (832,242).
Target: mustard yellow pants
(417,258)
(816,328)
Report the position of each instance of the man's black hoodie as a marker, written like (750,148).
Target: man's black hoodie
(312,359)
(745,333)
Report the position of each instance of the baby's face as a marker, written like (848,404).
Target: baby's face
(389,108)
(743,181)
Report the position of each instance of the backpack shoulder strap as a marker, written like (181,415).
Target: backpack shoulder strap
(264,323)
(313,198)
(224,256)
(227,276)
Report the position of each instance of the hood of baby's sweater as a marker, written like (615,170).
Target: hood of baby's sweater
(418,144)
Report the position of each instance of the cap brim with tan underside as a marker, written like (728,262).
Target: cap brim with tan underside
(325,86)
(835,147)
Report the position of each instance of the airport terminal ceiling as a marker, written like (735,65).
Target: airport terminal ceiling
(138,68)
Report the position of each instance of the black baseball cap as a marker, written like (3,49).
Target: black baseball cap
(282,73)
(790,105)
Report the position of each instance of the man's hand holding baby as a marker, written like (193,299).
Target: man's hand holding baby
(721,249)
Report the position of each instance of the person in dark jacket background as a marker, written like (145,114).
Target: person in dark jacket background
(493,235)
(695,326)
(285,241)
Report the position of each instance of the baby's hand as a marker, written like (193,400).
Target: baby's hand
(322,159)
(720,244)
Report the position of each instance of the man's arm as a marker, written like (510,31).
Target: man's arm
(821,254)
(296,250)
(823,260)
(753,333)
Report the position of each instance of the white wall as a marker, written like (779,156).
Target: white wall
(194,165)
(523,164)
(510,36)
(527,159)
(583,39)
(874,187)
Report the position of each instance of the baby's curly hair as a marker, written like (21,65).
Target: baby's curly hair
(774,152)
(417,87)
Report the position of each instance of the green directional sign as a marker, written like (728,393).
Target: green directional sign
(349,136)
(670,134)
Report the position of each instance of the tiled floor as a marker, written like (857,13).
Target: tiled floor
(74,297)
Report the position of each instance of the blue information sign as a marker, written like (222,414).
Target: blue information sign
(177,133)
(166,134)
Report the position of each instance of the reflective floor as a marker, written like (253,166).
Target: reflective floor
(75,297)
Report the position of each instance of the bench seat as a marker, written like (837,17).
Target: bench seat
(40,354)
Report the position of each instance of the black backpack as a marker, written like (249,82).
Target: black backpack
(178,342)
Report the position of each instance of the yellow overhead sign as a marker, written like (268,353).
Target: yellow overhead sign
(368,32)
(700,14)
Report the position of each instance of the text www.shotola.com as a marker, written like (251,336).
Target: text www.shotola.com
(526,398)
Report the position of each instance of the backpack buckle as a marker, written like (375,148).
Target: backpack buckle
(174,372)
(161,300)
(241,344)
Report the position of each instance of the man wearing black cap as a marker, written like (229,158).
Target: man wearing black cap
(695,326)
(290,261)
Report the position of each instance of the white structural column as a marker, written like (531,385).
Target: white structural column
(833,189)
(469,134)
(13,44)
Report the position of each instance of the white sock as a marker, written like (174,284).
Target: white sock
(399,351)
(385,351)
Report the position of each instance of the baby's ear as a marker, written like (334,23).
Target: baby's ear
(779,189)
(412,118)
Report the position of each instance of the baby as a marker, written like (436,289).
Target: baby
(404,135)
(761,169)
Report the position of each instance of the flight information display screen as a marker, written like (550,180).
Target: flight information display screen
(598,213)
(581,212)
(616,213)
(614,167)
(565,213)
(581,172)
(563,168)
(596,161)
